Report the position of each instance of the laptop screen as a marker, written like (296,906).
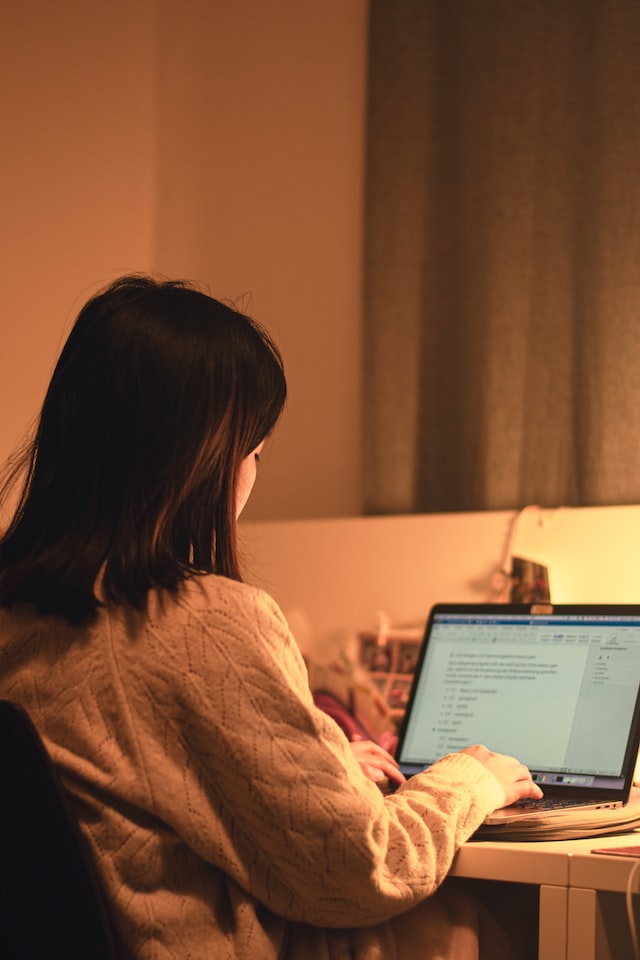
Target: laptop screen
(558,691)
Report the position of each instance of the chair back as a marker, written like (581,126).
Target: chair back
(51,903)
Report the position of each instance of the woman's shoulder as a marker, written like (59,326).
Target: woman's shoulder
(211,593)
(210,603)
(213,619)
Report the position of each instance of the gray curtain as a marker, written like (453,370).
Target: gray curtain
(502,254)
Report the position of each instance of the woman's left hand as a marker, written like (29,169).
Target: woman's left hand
(376,763)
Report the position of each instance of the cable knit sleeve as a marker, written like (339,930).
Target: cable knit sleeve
(262,784)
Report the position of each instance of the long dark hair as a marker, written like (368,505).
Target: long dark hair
(159,393)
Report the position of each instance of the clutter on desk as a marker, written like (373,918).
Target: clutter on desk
(362,679)
(390,659)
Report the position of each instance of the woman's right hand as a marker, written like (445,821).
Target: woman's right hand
(513,776)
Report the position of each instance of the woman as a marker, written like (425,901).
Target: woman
(228,816)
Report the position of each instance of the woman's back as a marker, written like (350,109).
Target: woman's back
(227,814)
(195,813)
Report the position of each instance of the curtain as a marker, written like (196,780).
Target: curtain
(502,255)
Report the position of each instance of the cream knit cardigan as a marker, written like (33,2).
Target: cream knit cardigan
(227,815)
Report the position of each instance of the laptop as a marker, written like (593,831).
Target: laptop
(558,687)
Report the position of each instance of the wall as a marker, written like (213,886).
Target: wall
(76,177)
(267,106)
(219,142)
(332,577)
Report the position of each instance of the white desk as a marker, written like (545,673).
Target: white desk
(597,921)
(581,895)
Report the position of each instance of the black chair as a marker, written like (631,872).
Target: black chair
(51,904)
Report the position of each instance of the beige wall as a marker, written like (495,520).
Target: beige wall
(76,177)
(219,142)
(333,577)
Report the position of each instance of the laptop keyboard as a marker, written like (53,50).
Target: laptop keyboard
(549,803)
